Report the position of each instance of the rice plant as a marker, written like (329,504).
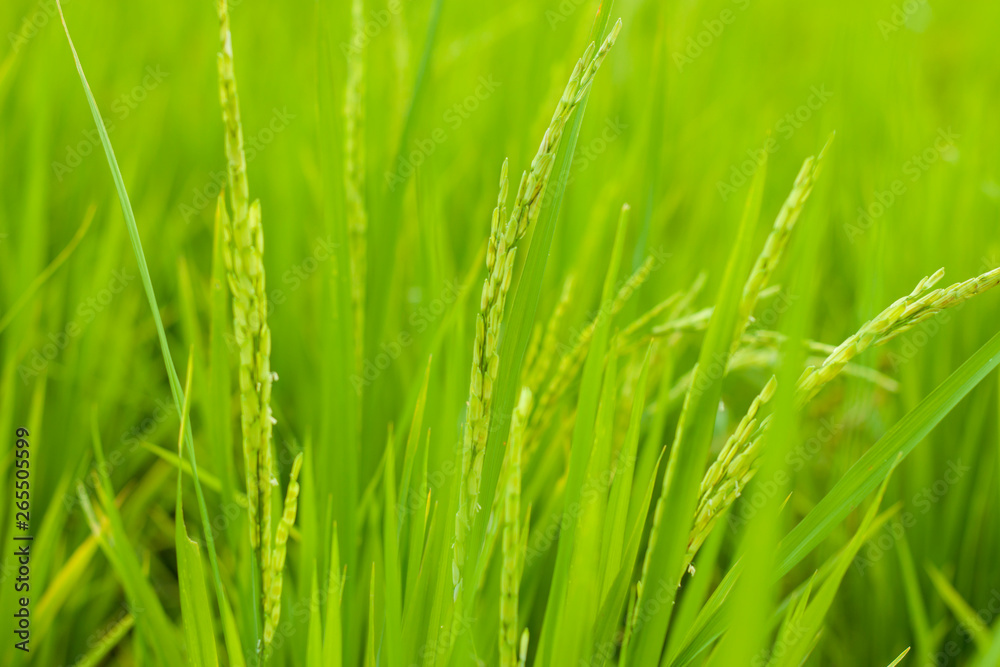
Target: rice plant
(321,381)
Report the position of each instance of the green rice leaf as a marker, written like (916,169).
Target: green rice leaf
(520,320)
(156,628)
(314,640)
(196,610)
(616,526)
(333,651)
(874,465)
(372,620)
(133,230)
(575,590)
(218,421)
(234,648)
(900,657)
(607,620)
(914,597)
(393,587)
(992,656)
(688,456)
(964,613)
(796,644)
(109,641)
(417,535)
(413,439)
(53,266)
(338,451)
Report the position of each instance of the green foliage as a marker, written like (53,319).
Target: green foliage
(699,363)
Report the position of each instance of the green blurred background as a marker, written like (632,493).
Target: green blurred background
(688,96)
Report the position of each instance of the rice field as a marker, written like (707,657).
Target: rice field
(393,333)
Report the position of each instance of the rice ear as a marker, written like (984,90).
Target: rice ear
(736,464)
(510,578)
(501,253)
(273,600)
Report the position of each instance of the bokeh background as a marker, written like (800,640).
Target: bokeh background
(679,113)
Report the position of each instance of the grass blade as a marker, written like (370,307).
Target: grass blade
(37,283)
(900,657)
(799,640)
(195,606)
(874,465)
(967,617)
(390,537)
(333,652)
(665,554)
(569,582)
(133,230)
(519,322)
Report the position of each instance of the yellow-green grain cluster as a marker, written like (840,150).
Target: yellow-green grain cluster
(918,306)
(726,477)
(736,464)
(272,601)
(572,361)
(244,254)
(505,233)
(244,258)
(513,551)
(541,361)
(777,241)
(239,189)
